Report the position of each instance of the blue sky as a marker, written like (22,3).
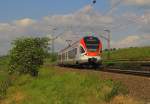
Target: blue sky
(16,9)
(128,21)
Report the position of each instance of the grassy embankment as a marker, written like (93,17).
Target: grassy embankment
(3,67)
(136,53)
(128,57)
(4,78)
(54,87)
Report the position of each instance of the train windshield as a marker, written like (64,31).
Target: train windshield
(92,43)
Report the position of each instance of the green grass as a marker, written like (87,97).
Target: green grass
(4,78)
(3,67)
(53,87)
(136,53)
(4,63)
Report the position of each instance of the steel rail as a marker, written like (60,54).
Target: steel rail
(113,70)
(132,72)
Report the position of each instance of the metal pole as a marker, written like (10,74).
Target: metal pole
(53,42)
(52,45)
(108,43)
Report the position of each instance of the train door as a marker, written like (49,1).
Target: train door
(77,54)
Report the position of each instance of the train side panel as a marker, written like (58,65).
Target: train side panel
(69,55)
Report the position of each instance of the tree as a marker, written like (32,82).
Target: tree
(27,55)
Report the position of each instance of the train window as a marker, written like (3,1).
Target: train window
(59,57)
(81,50)
(72,53)
(75,51)
(66,56)
(91,40)
(63,56)
(92,43)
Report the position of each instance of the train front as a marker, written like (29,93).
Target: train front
(90,51)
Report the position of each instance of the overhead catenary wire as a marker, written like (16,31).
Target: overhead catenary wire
(121,26)
(110,11)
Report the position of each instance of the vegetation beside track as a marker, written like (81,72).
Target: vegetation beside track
(4,63)
(53,86)
(135,58)
(129,54)
(4,77)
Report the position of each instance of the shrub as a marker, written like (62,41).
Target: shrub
(117,89)
(27,55)
(4,84)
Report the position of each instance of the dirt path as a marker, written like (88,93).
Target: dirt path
(138,86)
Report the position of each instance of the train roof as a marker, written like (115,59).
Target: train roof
(90,36)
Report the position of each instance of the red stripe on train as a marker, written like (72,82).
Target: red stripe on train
(92,53)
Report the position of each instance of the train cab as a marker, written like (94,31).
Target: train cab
(90,50)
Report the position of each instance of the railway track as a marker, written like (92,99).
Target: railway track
(141,68)
(115,70)
(132,72)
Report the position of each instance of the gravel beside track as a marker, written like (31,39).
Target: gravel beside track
(138,86)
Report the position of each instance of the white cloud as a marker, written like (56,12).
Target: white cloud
(86,9)
(24,22)
(84,17)
(132,40)
(127,41)
(137,2)
(131,2)
(6,27)
(146,37)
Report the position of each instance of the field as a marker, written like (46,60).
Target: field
(61,87)
(135,53)
(56,86)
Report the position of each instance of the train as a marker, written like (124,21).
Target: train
(87,51)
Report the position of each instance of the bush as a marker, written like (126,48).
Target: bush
(27,55)
(117,89)
(3,87)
